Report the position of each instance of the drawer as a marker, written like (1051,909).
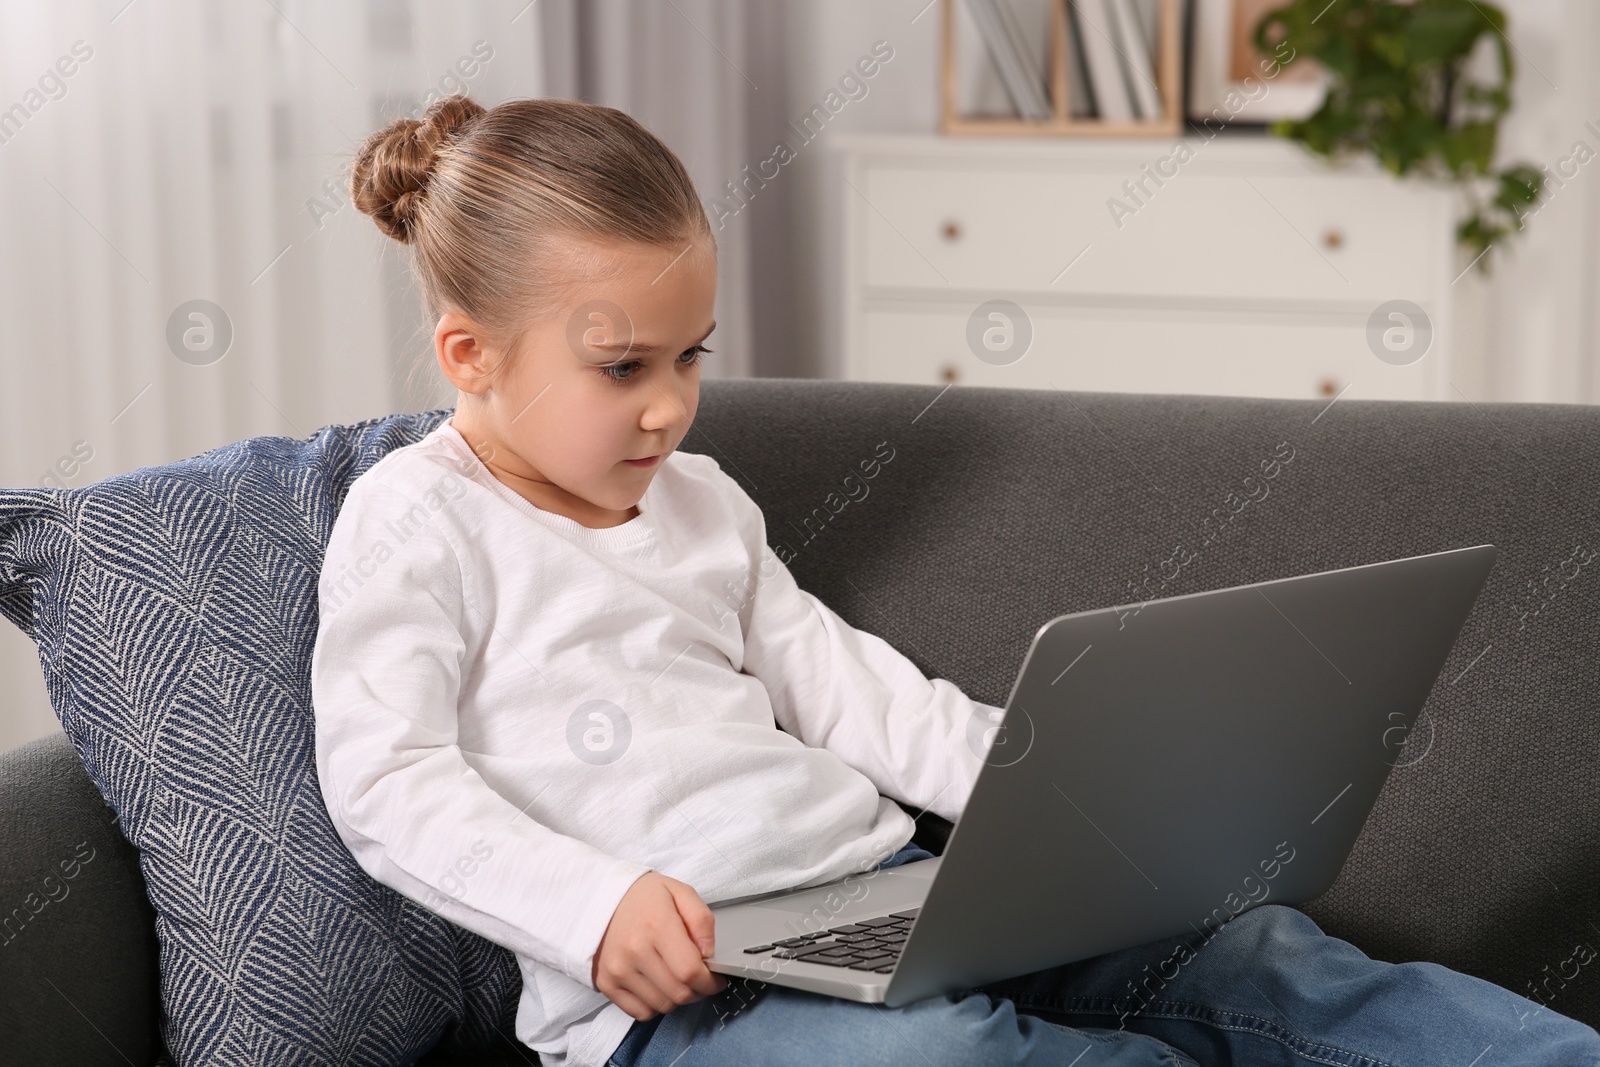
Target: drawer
(1205,234)
(1294,356)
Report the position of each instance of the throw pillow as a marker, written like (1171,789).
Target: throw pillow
(175,610)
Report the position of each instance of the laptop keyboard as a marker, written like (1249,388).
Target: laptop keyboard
(864,945)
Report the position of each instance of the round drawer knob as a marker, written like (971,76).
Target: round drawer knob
(1328,386)
(949,372)
(1333,238)
(951,230)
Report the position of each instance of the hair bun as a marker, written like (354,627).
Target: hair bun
(389,179)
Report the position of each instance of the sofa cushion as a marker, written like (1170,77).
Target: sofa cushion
(175,610)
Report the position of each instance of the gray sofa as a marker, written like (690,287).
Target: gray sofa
(990,511)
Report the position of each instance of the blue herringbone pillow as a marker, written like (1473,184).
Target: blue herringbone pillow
(175,610)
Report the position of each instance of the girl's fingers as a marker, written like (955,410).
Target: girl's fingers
(630,1004)
(698,921)
(641,997)
(669,991)
(659,983)
(685,959)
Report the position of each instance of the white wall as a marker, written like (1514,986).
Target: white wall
(1529,332)
(826,38)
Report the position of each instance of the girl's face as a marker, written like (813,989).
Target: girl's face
(573,404)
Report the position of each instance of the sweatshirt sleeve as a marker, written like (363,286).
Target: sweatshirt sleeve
(386,672)
(919,741)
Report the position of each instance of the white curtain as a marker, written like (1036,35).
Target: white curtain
(158,152)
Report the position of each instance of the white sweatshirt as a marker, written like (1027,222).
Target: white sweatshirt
(517,715)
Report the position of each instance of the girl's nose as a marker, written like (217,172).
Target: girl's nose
(667,406)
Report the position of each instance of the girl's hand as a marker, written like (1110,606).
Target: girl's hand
(651,958)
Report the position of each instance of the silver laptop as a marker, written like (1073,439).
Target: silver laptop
(1159,769)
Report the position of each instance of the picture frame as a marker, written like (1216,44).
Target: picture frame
(1230,83)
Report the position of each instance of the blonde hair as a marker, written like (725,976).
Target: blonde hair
(479,193)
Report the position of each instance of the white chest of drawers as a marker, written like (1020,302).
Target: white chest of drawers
(1237,265)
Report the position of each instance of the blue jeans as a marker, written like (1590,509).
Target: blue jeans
(1269,987)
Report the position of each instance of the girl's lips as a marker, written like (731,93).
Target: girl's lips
(642,462)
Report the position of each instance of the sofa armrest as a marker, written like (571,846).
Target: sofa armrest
(79,976)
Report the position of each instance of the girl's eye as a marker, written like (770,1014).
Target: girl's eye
(610,375)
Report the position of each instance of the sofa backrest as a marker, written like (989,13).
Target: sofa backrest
(990,511)
(954,522)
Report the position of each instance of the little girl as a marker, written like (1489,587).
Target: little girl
(566,695)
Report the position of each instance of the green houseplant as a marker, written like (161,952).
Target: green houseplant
(1401,91)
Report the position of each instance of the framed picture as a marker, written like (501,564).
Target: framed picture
(1231,83)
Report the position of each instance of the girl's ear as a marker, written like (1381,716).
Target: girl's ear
(464,358)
